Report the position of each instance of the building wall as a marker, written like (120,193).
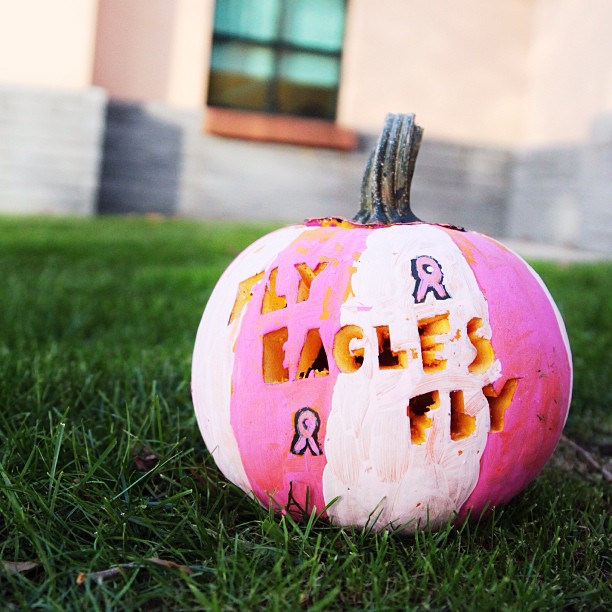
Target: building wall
(493,72)
(50,150)
(570,71)
(562,194)
(47,44)
(142,159)
(51,119)
(459,65)
(486,72)
(154,50)
(515,97)
(157,160)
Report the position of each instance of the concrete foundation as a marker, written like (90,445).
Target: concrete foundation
(50,150)
(72,153)
(157,159)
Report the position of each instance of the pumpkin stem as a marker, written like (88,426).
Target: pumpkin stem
(385,190)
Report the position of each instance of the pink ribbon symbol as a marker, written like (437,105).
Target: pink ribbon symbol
(427,273)
(306,425)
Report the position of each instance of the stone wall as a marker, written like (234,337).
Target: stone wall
(596,190)
(226,178)
(237,179)
(463,185)
(142,160)
(50,150)
(563,195)
(155,159)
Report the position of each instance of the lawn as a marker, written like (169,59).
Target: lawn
(109,499)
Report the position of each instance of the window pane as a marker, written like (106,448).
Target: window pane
(240,76)
(248,18)
(307,85)
(243,58)
(306,100)
(309,69)
(318,24)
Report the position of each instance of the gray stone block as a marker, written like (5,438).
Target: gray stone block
(50,150)
(142,157)
(463,185)
(596,190)
(157,159)
(563,195)
(230,178)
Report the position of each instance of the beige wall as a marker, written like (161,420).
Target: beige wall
(47,43)
(570,70)
(154,50)
(500,72)
(461,66)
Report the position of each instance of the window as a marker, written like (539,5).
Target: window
(277,56)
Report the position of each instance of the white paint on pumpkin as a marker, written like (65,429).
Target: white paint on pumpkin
(379,477)
(213,356)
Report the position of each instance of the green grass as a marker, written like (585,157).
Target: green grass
(97,323)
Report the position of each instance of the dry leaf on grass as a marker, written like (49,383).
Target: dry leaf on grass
(171,564)
(145,459)
(588,458)
(111,572)
(118,570)
(17,567)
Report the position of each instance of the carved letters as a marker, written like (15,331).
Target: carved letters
(350,347)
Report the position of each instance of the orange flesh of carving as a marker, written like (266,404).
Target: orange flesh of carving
(325,313)
(387,358)
(272,301)
(244,294)
(274,371)
(430,347)
(418,408)
(348,361)
(307,275)
(499,402)
(313,357)
(484,349)
(462,425)
(349,287)
(334,222)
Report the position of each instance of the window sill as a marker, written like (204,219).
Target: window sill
(278,128)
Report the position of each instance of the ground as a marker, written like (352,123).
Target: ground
(109,499)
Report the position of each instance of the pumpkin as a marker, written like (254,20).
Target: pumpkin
(384,371)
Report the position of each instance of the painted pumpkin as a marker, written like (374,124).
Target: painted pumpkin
(388,371)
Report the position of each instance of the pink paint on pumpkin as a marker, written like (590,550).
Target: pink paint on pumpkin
(531,346)
(262,414)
